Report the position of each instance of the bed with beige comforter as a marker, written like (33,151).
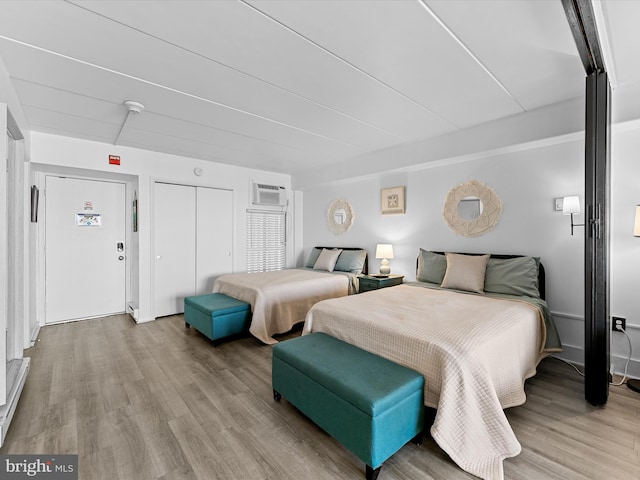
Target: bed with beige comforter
(475,352)
(282,298)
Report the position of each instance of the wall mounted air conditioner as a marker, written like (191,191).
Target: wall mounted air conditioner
(269,195)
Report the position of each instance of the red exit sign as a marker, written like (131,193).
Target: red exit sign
(114,160)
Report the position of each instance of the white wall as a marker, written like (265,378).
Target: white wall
(526,181)
(625,248)
(140,169)
(14,262)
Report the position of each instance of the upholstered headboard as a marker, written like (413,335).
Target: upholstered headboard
(365,266)
(541,272)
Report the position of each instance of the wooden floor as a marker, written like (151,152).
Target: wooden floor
(157,401)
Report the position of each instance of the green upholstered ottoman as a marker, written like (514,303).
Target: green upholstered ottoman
(369,404)
(216,315)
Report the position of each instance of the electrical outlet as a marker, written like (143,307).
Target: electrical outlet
(618,324)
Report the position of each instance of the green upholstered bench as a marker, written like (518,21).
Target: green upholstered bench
(371,405)
(216,315)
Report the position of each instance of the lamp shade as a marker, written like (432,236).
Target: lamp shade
(384,250)
(571,205)
(636,226)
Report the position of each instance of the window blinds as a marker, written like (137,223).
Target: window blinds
(266,240)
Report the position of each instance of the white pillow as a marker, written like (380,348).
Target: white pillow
(327,260)
(465,272)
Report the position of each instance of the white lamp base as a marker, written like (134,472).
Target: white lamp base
(385,269)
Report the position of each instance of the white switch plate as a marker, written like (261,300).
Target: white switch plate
(558,203)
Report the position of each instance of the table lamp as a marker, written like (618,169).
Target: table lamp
(384,251)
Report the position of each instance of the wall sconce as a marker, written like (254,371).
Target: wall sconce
(384,251)
(571,206)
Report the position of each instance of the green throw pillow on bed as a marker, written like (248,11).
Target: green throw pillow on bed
(513,276)
(431,267)
(313,256)
(351,261)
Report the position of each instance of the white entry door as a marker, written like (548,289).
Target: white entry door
(85,265)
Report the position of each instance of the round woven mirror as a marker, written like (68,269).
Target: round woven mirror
(339,217)
(472,209)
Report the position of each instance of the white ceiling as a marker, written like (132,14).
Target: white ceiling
(290,85)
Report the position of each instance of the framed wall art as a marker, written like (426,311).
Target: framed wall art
(392,201)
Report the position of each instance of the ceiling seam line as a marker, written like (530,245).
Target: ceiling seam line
(203,125)
(351,65)
(470,53)
(170,89)
(211,144)
(237,70)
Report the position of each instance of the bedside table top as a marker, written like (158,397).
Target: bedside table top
(377,276)
(375,282)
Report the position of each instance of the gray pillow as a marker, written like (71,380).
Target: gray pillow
(327,260)
(431,267)
(313,256)
(351,261)
(513,276)
(465,272)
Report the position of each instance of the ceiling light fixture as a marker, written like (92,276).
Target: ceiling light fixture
(134,107)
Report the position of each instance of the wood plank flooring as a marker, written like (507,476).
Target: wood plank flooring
(157,401)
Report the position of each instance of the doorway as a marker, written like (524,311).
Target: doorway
(85,255)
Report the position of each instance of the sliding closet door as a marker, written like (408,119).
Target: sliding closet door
(175,247)
(214,236)
(193,232)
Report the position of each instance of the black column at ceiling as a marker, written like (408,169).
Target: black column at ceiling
(596,241)
(583,26)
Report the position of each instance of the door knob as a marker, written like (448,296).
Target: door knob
(121,257)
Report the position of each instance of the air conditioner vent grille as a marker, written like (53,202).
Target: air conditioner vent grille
(273,195)
(269,187)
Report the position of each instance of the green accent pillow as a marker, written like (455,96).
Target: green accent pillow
(313,256)
(351,261)
(513,276)
(431,267)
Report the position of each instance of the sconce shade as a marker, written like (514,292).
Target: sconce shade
(384,250)
(636,226)
(571,205)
